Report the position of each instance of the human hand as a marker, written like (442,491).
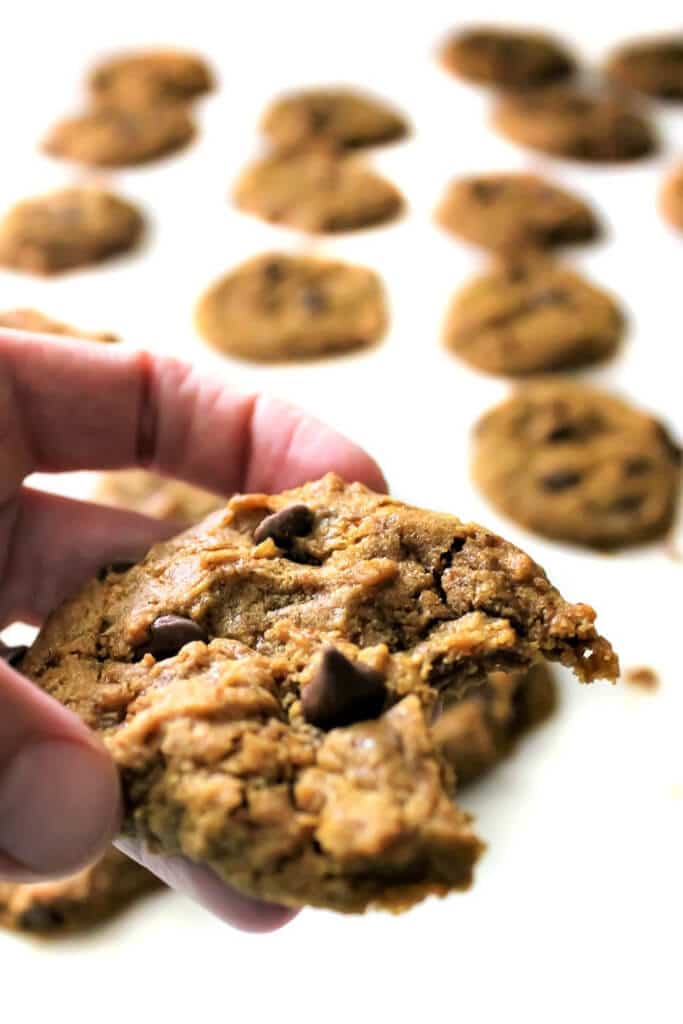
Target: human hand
(71,406)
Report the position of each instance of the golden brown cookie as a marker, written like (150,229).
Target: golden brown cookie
(671,198)
(78,902)
(483,727)
(532,317)
(157,496)
(37,323)
(506,57)
(66,229)
(117,137)
(149,77)
(264,681)
(316,191)
(569,122)
(578,464)
(653,66)
(513,211)
(276,307)
(342,117)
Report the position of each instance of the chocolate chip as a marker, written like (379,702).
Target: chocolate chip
(313,299)
(638,466)
(41,918)
(485,191)
(342,692)
(560,480)
(627,503)
(12,655)
(170,633)
(564,432)
(318,119)
(118,567)
(273,272)
(285,525)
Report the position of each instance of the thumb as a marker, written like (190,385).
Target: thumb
(59,792)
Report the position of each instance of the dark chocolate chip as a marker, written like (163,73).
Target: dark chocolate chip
(169,634)
(485,191)
(637,466)
(314,300)
(285,525)
(273,272)
(564,432)
(560,480)
(118,567)
(318,119)
(342,692)
(12,655)
(627,503)
(41,917)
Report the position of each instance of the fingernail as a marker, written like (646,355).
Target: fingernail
(59,806)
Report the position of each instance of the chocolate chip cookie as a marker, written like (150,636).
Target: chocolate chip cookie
(76,903)
(531,317)
(511,211)
(671,198)
(150,77)
(341,117)
(505,57)
(317,190)
(652,66)
(117,137)
(568,122)
(70,228)
(276,307)
(483,727)
(577,464)
(264,681)
(157,496)
(37,323)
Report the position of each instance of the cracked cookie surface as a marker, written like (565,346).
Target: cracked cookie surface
(578,464)
(216,671)
(317,190)
(278,306)
(515,211)
(343,117)
(532,317)
(69,228)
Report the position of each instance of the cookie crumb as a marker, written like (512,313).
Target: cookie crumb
(642,676)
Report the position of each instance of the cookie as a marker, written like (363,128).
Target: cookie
(483,727)
(150,77)
(37,323)
(515,211)
(317,191)
(577,464)
(67,229)
(115,137)
(78,902)
(653,66)
(531,317)
(504,57)
(341,117)
(568,122)
(156,496)
(671,198)
(276,307)
(264,681)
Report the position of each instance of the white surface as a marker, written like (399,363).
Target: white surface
(577,909)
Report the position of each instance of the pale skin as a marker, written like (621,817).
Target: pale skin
(74,406)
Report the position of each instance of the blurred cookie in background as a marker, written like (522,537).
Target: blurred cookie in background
(653,66)
(118,137)
(577,464)
(671,198)
(70,228)
(480,729)
(157,496)
(150,77)
(532,316)
(277,306)
(318,191)
(344,117)
(513,211)
(506,57)
(37,323)
(574,123)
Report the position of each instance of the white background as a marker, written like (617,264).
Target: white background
(577,910)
